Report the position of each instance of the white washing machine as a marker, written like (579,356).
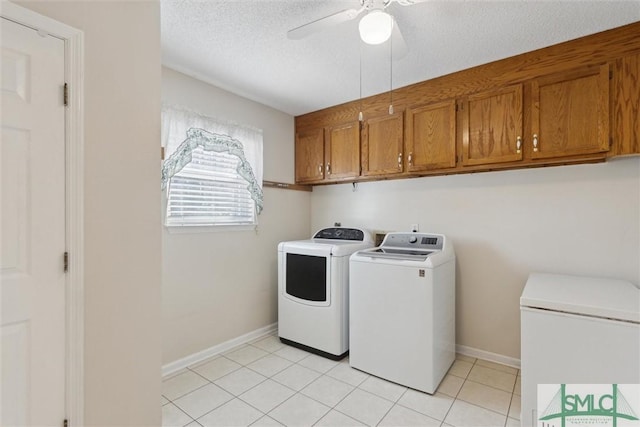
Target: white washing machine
(577,330)
(313,290)
(402,309)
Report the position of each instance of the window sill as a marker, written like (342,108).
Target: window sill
(198,229)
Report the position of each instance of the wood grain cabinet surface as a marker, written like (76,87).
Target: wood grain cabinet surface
(492,126)
(430,137)
(570,113)
(626,105)
(342,151)
(575,102)
(310,156)
(382,145)
(328,154)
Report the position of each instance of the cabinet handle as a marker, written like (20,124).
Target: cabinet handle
(320,169)
(410,158)
(519,145)
(328,168)
(399,160)
(535,142)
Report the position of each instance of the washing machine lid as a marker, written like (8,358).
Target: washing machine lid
(597,297)
(397,253)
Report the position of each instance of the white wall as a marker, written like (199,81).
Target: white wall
(122,207)
(219,285)
(572,219)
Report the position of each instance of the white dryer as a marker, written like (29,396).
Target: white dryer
(402,309)
(313,290)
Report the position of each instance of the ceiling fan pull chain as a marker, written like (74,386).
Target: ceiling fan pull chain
(391,73)
(360,115)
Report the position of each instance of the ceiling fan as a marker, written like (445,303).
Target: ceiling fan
(375,27)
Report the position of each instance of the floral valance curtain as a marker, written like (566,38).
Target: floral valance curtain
(184,130)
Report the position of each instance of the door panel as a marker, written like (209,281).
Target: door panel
(431,137)
(343,151)
(626,109)
(310,156)
(382,145)
(492,126)
(570,114)
(33,228)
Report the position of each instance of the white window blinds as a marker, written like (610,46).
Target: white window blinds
(218,185)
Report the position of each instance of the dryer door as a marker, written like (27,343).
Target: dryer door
(307,277)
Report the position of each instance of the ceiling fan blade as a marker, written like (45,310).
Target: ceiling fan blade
(410,2)
(399,46)
(322,23)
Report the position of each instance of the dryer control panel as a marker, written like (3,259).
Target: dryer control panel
(339,233)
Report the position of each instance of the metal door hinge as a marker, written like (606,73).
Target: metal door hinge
(610,74)
(65,423)
(66,94)
(66,262)
(610,142)
(161,153)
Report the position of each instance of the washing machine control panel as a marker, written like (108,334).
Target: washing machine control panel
(414,241)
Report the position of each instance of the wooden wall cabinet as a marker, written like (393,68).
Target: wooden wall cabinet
(575,102)
(626,105)
(570,113)
(492,126)
(342,151)
(328,154)
(569,116)
(310,156)
(382,145)
(430,137)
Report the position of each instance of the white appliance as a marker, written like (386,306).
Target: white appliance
(402,309)
(577,330)
(313,290)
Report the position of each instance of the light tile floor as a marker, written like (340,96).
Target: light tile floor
(266,383)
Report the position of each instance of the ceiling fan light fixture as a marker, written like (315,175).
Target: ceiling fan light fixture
(375,27)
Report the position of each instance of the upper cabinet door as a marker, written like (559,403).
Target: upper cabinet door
(492,127)
(570,113)
(431,137)
(310,156)
(343,151)
(626,111)
(382,142)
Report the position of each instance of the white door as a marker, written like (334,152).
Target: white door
(32,173)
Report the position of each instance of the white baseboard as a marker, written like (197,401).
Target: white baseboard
(487,355)
(179,364)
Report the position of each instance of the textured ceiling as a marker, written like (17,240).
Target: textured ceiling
(242,45)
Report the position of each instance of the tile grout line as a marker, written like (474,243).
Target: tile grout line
(487,385)
(456,396)
(188,368)
(181,410)
(482,407)
(229,392)
(268,352)
(291,397)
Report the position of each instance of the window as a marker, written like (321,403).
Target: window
(212,171)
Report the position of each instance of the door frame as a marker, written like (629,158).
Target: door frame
(74,203)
